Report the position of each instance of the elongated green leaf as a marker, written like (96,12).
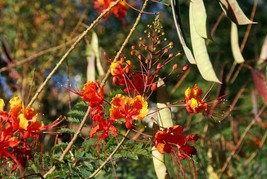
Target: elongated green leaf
(200,16)
(233,11)
(181,36)
(200,50)
(235,45)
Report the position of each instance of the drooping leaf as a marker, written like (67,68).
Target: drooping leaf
(233,11)
(263,55)
(260,83)
(200,50)
(235,44)
(179,29)
(199,13)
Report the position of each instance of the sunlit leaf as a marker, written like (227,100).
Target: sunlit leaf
(200,17)
(233,11)
(263,55)
(200,50)
(181,36)
(260,83)
(235,45)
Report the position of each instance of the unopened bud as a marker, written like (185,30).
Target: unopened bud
(133,52)
(154,87)
(175,66)
(166,50)
(139,57)
(185,67)
(171,55)
(159,66)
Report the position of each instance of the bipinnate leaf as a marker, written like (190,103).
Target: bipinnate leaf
(263,55)
(179,29)
(200,17)
(164,120)
(200,50)
(260,83)
(233,11)
(235,44)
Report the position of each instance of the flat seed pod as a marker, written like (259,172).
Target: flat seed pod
(233,11)
(235,44)
(263,55)
(200,51)
(164,121)
(200,16)
(178,25)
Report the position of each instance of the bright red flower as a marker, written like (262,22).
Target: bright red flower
(106,127)
(128,108)
(193,102)
(170,139)
(138,84)
(19,130)
(120,11)
(92,93)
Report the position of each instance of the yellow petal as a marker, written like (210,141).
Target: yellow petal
(23,122)
(2,104)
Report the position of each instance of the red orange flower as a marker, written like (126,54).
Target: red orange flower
(19,129)
(92,93)
(120,11)
(194,104)
(128,108)
(171,140)
(106,127)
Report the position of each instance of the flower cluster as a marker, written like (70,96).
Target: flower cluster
(17,126)
(122,107)
(119,11)
(193,102)
(171,140)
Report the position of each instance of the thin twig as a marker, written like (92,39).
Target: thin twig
(70,50)
(249,26)
(38,54)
